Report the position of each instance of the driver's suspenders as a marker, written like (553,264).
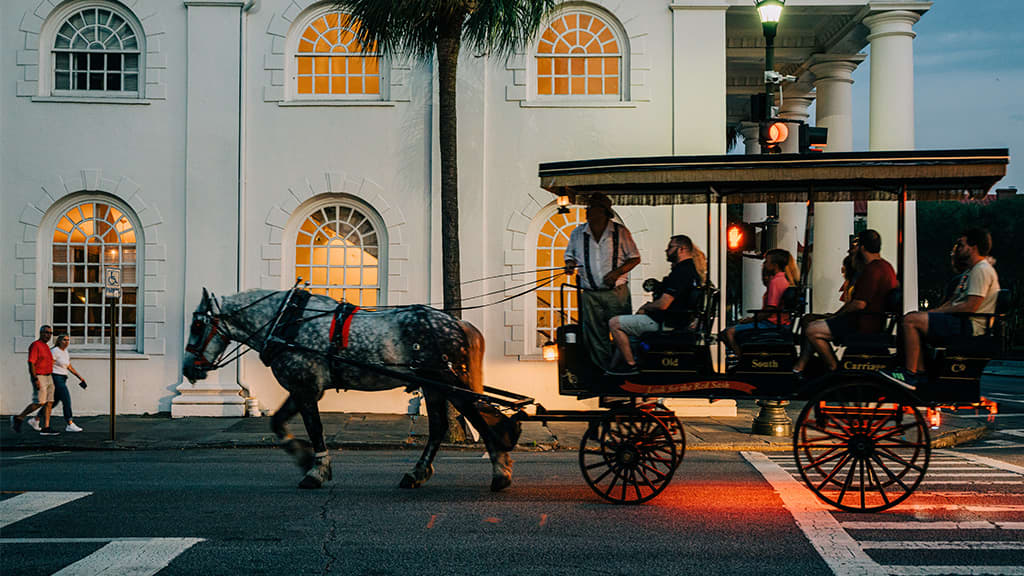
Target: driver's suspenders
(586,254)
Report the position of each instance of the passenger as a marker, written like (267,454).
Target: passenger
(778,272)
(976,293)
(849,278)
(670,307)
(863,313)
(604,252)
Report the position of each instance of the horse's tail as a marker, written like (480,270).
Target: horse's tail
(475,356)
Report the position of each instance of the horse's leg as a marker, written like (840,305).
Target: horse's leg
(437,421)
(320,472)
(501,460)
(301,450)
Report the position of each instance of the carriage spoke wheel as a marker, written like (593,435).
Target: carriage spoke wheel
(861,446)
(628,457)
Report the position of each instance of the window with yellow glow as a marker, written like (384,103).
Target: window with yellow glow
(87,238)
(337,250)
(330,61)
(551,244)
(579,55)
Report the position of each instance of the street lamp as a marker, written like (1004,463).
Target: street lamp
(772,419)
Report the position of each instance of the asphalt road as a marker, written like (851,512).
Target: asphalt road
(239,512)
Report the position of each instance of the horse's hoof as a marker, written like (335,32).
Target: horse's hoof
(308,483)
(499,483)
(409,481)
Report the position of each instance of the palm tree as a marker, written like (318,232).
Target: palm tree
(419,28)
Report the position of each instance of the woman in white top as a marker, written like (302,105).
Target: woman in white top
(61,367)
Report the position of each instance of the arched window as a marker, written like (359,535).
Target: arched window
(580,54)
(338,250)
(89,236)
(552,240)
(331,62)
(97,51)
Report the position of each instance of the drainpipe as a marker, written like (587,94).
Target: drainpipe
(252,407)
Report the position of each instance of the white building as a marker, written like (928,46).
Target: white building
(208,142)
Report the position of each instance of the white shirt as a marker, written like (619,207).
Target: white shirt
(61,360)
(600,254)
(981,280)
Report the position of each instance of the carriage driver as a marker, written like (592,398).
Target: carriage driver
(604,252)
(671,307)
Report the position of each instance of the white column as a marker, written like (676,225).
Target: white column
(211,185)
(753,289)
(793,215)
(699,108)
(833,221)
(891,127)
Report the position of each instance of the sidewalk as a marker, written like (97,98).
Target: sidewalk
(397,431)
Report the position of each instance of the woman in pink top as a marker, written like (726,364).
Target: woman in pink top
(778,272)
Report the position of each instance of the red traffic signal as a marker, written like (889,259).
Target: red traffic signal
(740,236)
(772,133)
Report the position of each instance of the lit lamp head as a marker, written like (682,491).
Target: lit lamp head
(563,204)
(769,11)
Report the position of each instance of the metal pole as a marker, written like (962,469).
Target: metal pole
(769,65)
(113,364)
(901,215)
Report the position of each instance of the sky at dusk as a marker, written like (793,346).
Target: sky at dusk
(968,81)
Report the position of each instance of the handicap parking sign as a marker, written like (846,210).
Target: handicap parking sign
(112,282)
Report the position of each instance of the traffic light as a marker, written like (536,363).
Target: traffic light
(740,237)
(772,133)
(812,139)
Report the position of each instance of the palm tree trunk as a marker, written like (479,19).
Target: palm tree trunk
(448,45)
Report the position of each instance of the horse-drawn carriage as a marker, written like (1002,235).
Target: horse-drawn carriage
(861,442)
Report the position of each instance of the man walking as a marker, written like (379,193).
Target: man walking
(604,252)
(40,371)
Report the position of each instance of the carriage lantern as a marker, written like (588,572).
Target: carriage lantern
(550,350)
(563,204)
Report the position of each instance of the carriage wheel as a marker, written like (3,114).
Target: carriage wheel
(628,457)
(861,446)
(675,428)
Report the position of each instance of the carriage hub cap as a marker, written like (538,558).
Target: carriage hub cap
(862,445)
(628,455)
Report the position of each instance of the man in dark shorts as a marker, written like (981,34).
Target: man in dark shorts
(976,292)
(862,313)
(671,307)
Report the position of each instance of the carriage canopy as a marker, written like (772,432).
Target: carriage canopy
(735,179)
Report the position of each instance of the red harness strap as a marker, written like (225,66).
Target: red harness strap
(346,323)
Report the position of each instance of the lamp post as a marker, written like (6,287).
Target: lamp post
(769,11)
(772,419)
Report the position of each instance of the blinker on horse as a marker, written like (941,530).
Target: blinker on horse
(385,349)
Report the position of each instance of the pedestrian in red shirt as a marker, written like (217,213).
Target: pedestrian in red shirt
(862,313)
(40,371)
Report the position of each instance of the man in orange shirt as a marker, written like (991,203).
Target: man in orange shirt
(40,370)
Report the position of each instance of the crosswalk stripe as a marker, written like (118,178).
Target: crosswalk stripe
(30,503)
(130,558)
(937,570)
(835,546)
(936,525)
(988,461)
(940,545)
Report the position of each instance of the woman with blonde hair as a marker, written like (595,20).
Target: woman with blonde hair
(778,273)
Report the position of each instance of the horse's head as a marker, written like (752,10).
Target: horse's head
(206,341)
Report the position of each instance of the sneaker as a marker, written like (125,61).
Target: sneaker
(624,370)
(16,424)
(48,431)
(902,377)
(34,423)
(72,428)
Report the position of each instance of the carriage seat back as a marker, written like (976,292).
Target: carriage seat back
(964,359)
(875,343)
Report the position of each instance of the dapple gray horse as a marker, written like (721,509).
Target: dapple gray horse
(413,340)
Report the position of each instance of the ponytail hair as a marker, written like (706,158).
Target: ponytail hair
(700,262)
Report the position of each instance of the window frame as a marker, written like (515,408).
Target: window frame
(48,60)
(49,227)
(307,209)
(621,38)
(299,26)
(536,226)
